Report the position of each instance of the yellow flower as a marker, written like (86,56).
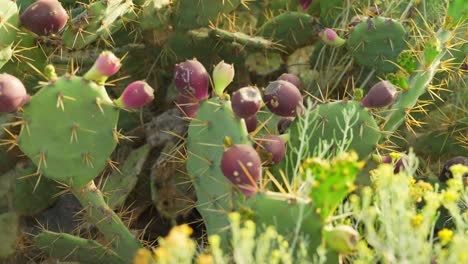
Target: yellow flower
(143,256)
(450,196)
(445,235)
(417,220)
(205,259)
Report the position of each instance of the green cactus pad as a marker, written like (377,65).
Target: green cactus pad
(333,180)
(287,212)
(292,30)
(330,10)
(121,183)
(70,144)
(10,234)
(457,12)
(71,248)
(32,195)
(365,132)
(99,20)
(214,122)
(5,55)
(28,55)
(191,14)
(152,9)
(377,42)
(9,22)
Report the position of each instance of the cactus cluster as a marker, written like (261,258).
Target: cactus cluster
(281,113)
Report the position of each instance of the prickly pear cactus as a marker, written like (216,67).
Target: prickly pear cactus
(69,130)
(214,124)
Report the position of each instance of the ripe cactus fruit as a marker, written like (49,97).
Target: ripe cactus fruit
(246,101)
(305,4)
(242,166)
(223,74)
(289,77)
(187,105)
(12,93)
(106,65)
(274,147)
(380,95)
(282,98)
(136,95)
(44,17)
(283,124)
(191,78)
(329,37)
(399,164)
(446,173)
(251,123)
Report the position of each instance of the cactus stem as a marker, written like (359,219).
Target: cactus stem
(107,221)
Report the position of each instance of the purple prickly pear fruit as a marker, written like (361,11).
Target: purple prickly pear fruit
(446,173)
(305,4)
(380,95)
(274,147)
(242,166)
(289,77)
(329,37)
(283,124)
(12,93)
(283,98)
(136,95)
(188,105)
(106,65)
(246,101)
(191,78)
(44,17)
(355,21)
(251,123)
(399,164)
(223,75)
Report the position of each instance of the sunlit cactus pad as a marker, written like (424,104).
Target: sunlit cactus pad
(69,130)
(377,42)
(340,121)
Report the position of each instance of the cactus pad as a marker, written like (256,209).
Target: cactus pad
(9,22)
(214,122)
(99,20)
(68,130)
(333,180)
(71,248)
(191,14)
(291,29)
(331,122)
(376,42)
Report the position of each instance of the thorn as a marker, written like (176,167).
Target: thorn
(87,159)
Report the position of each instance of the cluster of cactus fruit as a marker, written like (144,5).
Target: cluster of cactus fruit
(273,152)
